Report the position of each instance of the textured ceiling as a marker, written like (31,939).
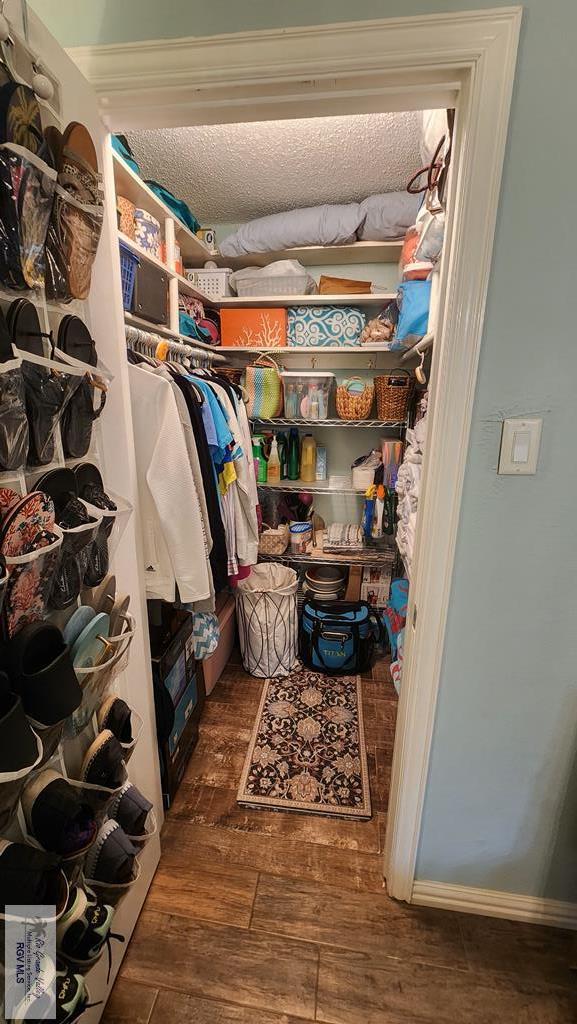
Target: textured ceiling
(234,172)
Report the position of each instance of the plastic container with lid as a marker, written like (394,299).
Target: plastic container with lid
(307,393)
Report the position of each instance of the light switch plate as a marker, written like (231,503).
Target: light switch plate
(520,442)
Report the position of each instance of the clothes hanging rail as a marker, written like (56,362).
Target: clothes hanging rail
(160,347)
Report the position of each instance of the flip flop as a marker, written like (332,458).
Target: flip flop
(75,340)
(60,485)
(20,120)
(24,326)
(77,622)
(28,520)
(103,596)
(118,614)
(87,649)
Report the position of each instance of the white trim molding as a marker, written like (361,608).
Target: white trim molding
(465,60)
(488,903)
(351,67)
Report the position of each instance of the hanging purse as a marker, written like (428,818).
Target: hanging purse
(264,389)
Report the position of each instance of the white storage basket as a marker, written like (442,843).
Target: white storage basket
(287,285)
(214,283)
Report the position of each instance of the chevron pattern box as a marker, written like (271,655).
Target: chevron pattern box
(324,325)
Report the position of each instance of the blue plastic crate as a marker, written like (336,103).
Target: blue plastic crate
(129,261)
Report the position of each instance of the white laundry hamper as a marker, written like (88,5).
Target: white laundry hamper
(267,616)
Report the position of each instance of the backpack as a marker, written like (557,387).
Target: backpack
(339,637)
(121,146)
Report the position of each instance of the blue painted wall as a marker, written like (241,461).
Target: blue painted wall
(501,803)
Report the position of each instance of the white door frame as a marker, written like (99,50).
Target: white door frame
(400,63)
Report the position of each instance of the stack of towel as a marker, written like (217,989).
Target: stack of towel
(409,484)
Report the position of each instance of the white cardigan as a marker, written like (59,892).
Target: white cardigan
(170,517)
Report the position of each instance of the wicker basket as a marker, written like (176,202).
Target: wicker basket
(354,407)
(394,392)
(274,541)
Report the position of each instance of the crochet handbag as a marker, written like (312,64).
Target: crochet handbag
(264,389)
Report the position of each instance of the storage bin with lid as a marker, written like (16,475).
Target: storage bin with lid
(307,394)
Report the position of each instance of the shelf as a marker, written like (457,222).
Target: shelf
(318,424)
(267,301)
(165,332)
(317,556)
(334,485)
(315,350)
(131,186)
(183,284)
(320,255)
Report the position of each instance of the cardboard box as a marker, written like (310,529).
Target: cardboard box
(253,328)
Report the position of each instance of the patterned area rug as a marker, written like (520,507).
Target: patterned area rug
(307,751)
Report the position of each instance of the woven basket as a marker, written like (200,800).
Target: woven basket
(394,392)
(354,407)
(274,541)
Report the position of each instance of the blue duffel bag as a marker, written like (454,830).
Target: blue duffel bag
(339,637)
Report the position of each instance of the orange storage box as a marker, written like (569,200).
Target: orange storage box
(253,328)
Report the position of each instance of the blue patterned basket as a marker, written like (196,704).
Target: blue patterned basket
(325,325)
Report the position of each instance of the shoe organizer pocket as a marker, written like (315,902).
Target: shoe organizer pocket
(97,680)
(50,736)
(11,785)
(107,539)
(84,408)
(75,553)
(48,389)
(27,187)
(151,830)
(71,244)
(111,893)
(14,435)
(137,726)
(30,583)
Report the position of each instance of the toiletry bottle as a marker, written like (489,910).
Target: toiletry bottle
(308,459)
(291,405)
(293,454)
(282,445)
(314,403)
(273,469)
(321,473)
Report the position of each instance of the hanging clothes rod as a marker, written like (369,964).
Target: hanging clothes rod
(421,346)
(136,337)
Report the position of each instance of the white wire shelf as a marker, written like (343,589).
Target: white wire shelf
(318,424)
(369,556)
(333,485)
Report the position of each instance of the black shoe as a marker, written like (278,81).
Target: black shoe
(56,816)
(131,809)
(103,763)
(41,670)
(112,858)
(84,929)
(20,748)
(30,877)
(115,714)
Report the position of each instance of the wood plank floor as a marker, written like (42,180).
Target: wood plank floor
(261,917)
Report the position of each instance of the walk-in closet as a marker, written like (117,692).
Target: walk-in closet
(215,347)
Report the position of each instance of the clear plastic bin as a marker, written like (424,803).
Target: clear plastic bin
(307,394)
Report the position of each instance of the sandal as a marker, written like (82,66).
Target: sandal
(41,671)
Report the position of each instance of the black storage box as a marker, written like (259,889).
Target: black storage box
(150,299)
(178,692)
